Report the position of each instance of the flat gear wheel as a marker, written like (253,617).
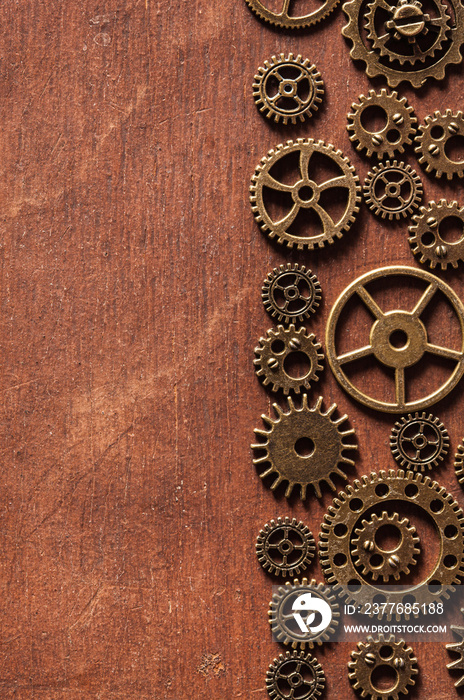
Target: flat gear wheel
(392,190)
(291,293)
(276,351)
(433,139)
(285,546)
(459,463)
(305,195)
(398,128)
(458,648)
(288,89)
(284,626)
(286,19)
(295,676)
(303,446)
(373,559)
(385,488)
(425,238)
(381,652)
(419,442)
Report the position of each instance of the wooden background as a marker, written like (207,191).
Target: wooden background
(131,270)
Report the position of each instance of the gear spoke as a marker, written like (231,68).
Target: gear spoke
(424,300)
(269,181)
(326,220)
(341,181)
(400,389)
(285,8)
(447,353)
(373,307)
(353,355)
(305,157)
(290,217)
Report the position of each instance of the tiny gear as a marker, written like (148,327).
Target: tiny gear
(434,140)
(426,240)
(397,130)
(303,446)
(459,463)
(286,19)
(295,675)
(458,648)
(288,89)
(284,625)
(291,293)
(372,558)
(307,196)
(278,349)
(381,652)
(392,190)
(285,546)
(419,442)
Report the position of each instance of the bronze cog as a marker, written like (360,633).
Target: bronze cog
(285,546)
(295,672)
(392,190)
(433,139)
(459,463)
(425,238)
(291,293)
(458,648)
(419,442)
(286,19)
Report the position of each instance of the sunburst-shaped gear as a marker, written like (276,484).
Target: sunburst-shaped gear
(458,648)
(426,240)
(288,89)
(278,349)
(419,442)
(459,463)
(392,190)
(306,194)
(285,546)
(380,652)
(373,559)
(433,143)
(291,293)
(303,446)
(295,675)
(286,19)
(284,625)
(397,130)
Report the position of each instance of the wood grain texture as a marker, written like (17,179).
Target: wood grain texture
(131,270)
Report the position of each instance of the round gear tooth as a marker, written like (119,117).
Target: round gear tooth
(285,547)
(427,242)
(392,190)
(419,442)
(432,143)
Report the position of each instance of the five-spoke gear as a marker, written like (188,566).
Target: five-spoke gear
(419,442)
(295,676)
(285,547)
(392,190)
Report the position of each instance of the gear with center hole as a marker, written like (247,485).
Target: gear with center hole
(381,652)
(286,19)
(459,463)
(458,648)
(392,190)
(306,195)
(288,89)
(419,442)
(291,293)
(303,446)
(276,351)
(425,238)
(377,561)
(295,675)
(433,141)
(285,546)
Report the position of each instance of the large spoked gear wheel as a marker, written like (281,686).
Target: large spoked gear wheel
(286,19)
(285,547)
(303,447)
(419,442)
(291,293)
(295,675)
(306,194)
(433,141)
(392,190)
(457,648)
(381,652)
(427,242)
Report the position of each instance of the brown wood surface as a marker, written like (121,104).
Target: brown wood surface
(131,270)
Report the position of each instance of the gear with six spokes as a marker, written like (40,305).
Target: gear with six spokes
(426,239)
(392,190)
(285,546)
(295,676)
(434,143)
(458,648)
(291,293)
(286,19)
(419,442)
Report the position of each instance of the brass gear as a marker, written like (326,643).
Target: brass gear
(382,651)
(432,143)
(419,442)
(281,618)
(459,463)
(458,648)
(288,88)
(278,347)
(284,446)
(291,293)
(295,672)
(392,190)
(372,559)
(285,546)
(425,239)
(387,488)
(305,194)
(288,21)
(398,130)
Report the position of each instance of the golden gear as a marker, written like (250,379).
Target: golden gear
(377,561)
(277,349)
(433,141)
(281,614)
(291,293)
(295,672)
(287,20)
(288,88)
(393,488)
(381,652)
(392,190)
(459,463)
(305,195)
(397,131)
(425,239)
(458,648)
(303,446)
(419,442)
(285,547)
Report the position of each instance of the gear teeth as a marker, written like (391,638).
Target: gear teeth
(425,239)
(278,668)
(458,648)
(391,191)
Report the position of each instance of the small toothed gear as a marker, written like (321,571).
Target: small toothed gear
(303,446)
(382,651)
(419,442)
(295,675)
(378,562)
(291,293)
(276,351)
(432,143)
(458,648)
(284,625)
(306,194)
(286,19)
(425,238)
(459,463)
(285,546)
(399,127)
(392,190)
(288,89)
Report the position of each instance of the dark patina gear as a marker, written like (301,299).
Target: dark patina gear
(425,238)
(291,293)
(392,190)
(285,547)
(295,676)
(433,141)
(419,442)
(286,19)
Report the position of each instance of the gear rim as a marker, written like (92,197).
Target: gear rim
(285,546)
(292,293)
(392,190)
(419,441)
(285,21)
